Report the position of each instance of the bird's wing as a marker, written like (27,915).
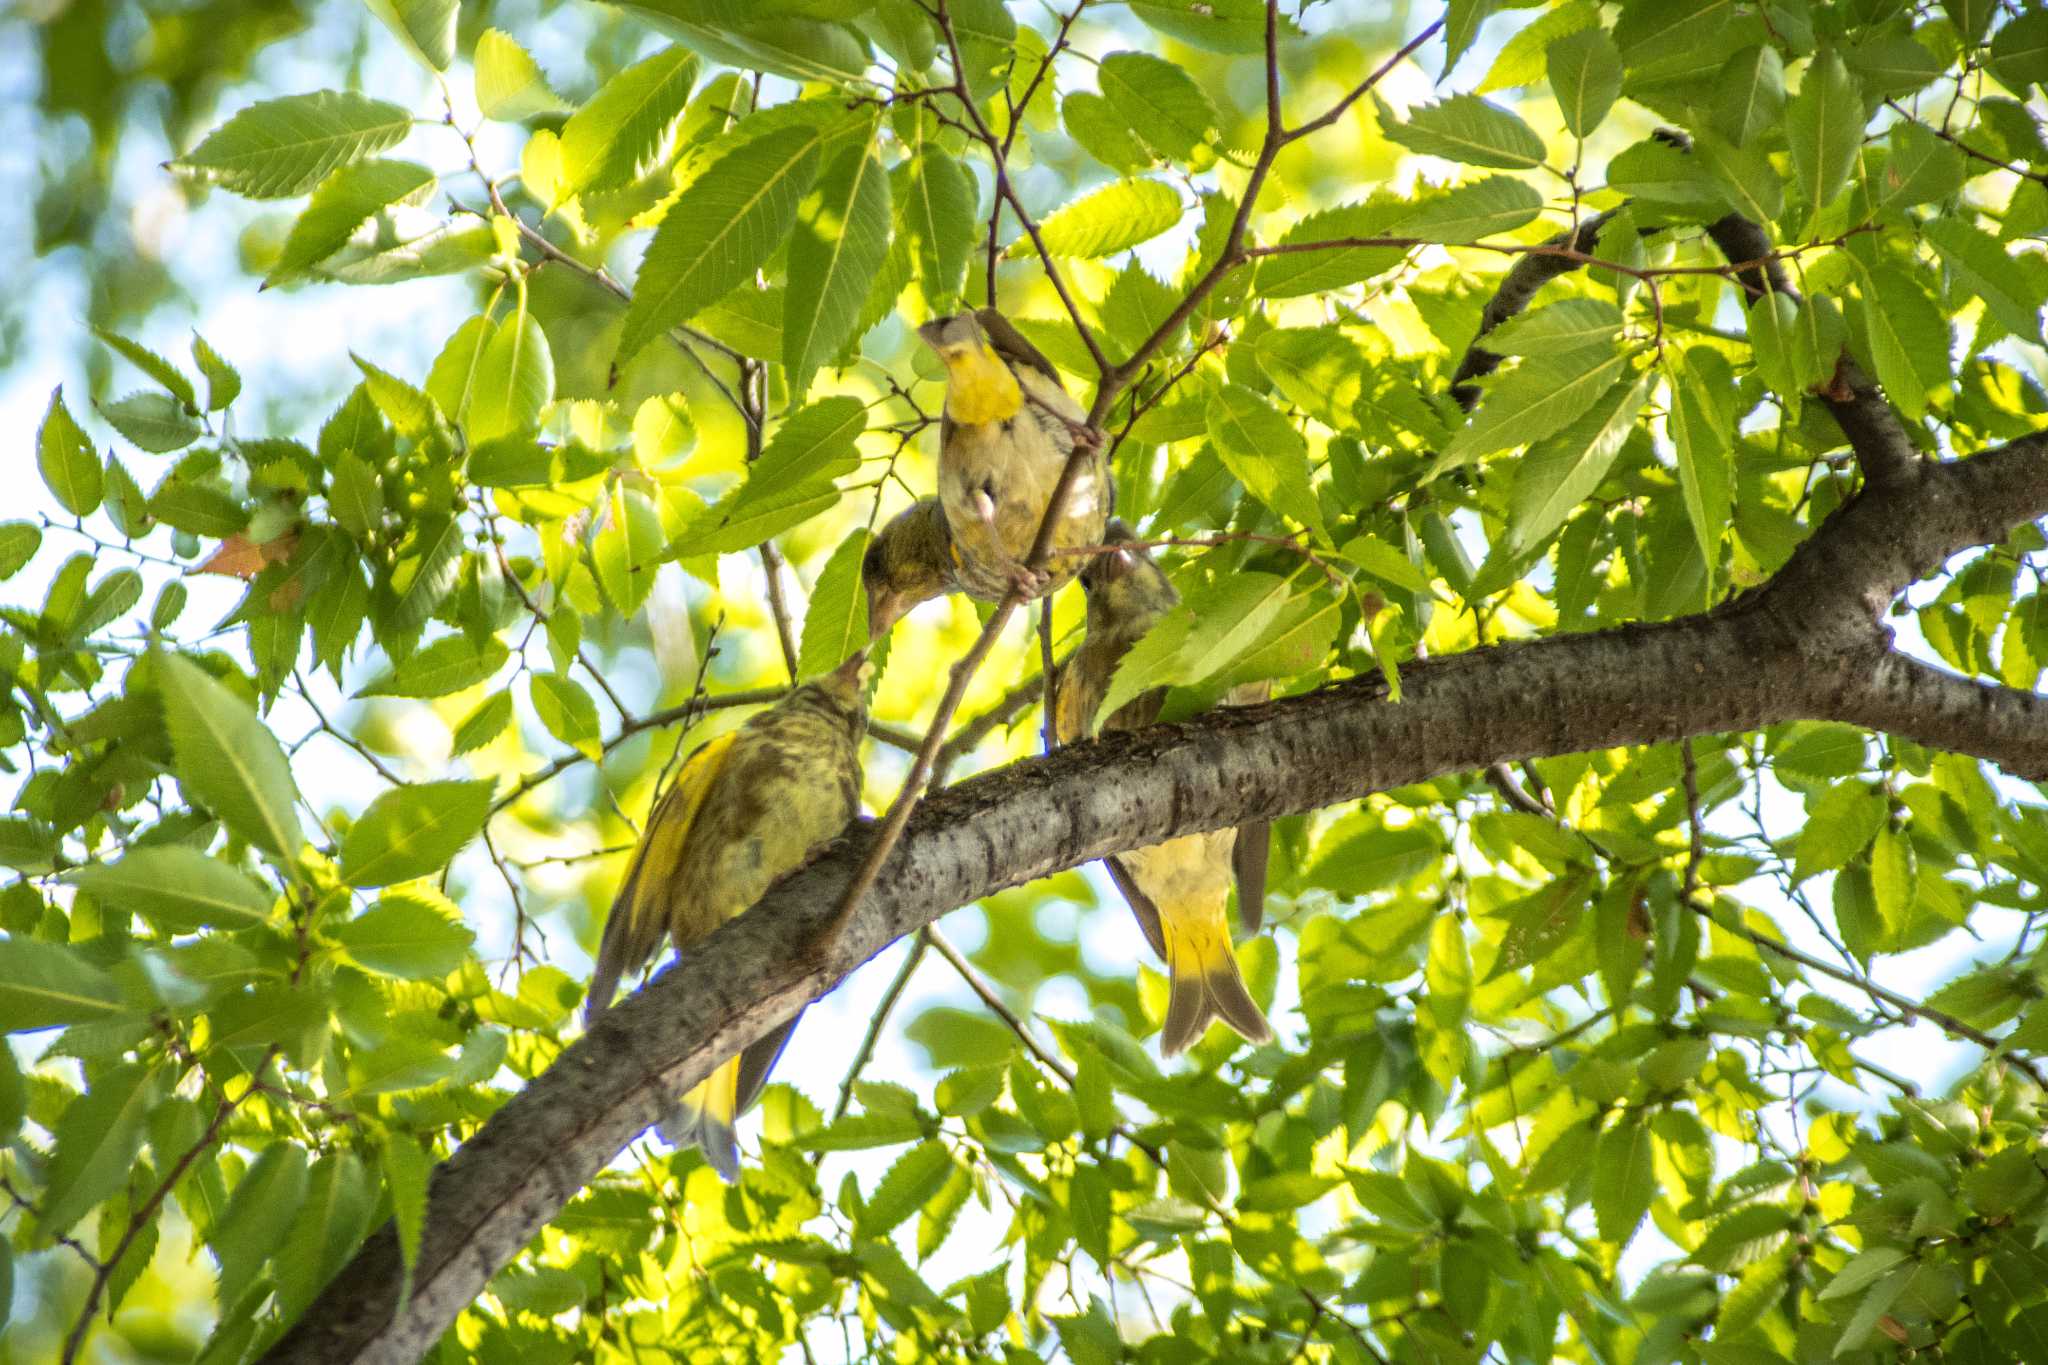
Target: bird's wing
(637,921)
(1143,908)
(1009,343)
(1248,858)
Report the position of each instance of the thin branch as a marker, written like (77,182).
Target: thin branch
(866,1051)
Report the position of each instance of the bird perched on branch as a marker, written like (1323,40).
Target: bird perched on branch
(912,560)
(1006,435)
(747,807)
(1178,890)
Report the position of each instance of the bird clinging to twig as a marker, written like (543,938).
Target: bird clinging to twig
(747,807)
(1005,437)
(1179,889)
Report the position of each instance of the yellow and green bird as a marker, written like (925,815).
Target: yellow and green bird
(747,807)
(1178,890)
(912,560)
(1005,436)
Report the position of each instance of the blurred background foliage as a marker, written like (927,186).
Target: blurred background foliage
(1524,1105)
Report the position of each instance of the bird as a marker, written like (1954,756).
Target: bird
(1177,890)
(912,560)
(1005,436)
(747,807)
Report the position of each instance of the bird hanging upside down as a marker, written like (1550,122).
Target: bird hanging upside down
(1006,434)
(747,807)
(1178,890)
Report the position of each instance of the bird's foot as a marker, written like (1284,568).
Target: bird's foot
(1027,582)
(1085,437)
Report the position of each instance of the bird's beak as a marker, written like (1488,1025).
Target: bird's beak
(885,609)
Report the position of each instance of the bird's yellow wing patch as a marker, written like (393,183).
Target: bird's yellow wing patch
(668,829)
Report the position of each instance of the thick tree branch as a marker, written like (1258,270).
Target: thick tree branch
(1806,646)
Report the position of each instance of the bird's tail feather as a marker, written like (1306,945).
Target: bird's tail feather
(1206,984)
(704,1118)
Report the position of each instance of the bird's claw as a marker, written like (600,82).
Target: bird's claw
(1086,437)
(1027,581)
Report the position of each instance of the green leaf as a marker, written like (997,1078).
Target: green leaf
(332,1221)
(280,148)
(150,363)
(2019,51)
(427,572)
(1745,175)
(1266,453)
(627,549)
(1919,168)
(938,219)
(407,1169)
(408,409)
(1567,325)
(413,831)
(618,136)
(1541,396)
(154,422)
(1892,67)
(343,202)
(482,725)
(1839,825)
(1499,203)
(1749,93)
(1984,268)
(1784,360)
(1703,449)
(227,759)
(839,244)
(566,711)
(1906,336)
(96,1143)
(1669,179)
(791,482)
(1824,126)
(1210,631)
(1387,564)
(411,936)
(1624,1178)
(449,664)
(260,1212)
(514,382)
(1292,273)
(1103,222)
(510,85)
(720,231)
(915,1177)
(45,984)
(65,455)
(1468,129)
(1562,471)
(1585,71)
(836,623)
(19,541)
(427,29)
(177,888)
(1105,134)
(1159,101)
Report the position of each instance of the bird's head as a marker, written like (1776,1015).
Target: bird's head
(910,562)
(1127,592)
(980,386)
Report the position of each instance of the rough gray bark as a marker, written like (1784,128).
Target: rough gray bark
(1807,645)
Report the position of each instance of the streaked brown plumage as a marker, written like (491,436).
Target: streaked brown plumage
(746,808)
(1005,437)
(1178,889)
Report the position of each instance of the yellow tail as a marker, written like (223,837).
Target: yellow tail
(1206,982)
(704,1117)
